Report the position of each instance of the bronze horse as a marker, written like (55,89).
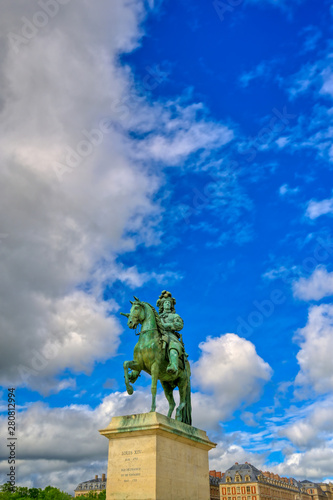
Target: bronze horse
(150,356)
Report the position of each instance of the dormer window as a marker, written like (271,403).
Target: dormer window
(247,478)
(237,478)
(228,479)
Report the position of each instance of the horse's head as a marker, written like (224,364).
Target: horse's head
(137,314)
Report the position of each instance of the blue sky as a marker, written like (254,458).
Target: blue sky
(188,147)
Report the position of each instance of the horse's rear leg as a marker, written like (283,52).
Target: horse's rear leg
(154,379)
(168,391)
(182,393)
(132,377)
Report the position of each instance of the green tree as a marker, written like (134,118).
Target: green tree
(34,492)
(24,493)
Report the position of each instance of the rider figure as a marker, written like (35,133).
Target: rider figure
(172,324)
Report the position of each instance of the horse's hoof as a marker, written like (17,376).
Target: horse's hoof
(130,390)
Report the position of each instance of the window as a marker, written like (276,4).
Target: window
(247,478)
(228,490)
(238,489)
(248,489)
(237,478)
(228,479)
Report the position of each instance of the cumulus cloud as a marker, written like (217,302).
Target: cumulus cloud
(62,446)
(227,453)
(56,231)
(317,208)
(314,357)
(317,286)
(78,188)
(313,430)
(312,464)
(230,368)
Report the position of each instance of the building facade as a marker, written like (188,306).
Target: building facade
(318,491)
(246,482)
(214,484)
(93,486)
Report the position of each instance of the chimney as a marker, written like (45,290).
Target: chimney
(212,473)
(103,477)
(218,474)
(236,463)
(96,477)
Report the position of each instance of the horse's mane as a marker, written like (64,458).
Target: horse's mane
(157,318)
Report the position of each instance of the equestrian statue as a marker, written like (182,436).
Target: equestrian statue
(160,352)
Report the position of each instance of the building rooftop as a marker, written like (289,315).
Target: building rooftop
(242,469)
(96,483)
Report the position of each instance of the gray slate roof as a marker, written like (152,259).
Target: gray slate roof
(94,482)
(243,470)
(214,480)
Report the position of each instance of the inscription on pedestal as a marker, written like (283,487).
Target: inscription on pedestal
(131,468)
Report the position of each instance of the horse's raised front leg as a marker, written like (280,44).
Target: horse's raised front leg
(154,379)
(133,365)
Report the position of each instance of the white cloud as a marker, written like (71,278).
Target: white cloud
(304,79)
(179,132)
(282,142)
(312,464)
(62,446)
(56,231)
(314,357)
(227,453)
(61,235)
(314,129)
(286,190)
(262,70)
(311,426)
(327,87)
(230,368)
(275,274)
(317,208)
(317,286)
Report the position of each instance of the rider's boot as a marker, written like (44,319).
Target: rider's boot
(173,365)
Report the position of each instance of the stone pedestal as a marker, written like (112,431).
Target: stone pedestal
(153,457)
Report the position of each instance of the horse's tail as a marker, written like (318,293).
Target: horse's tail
(187,410)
